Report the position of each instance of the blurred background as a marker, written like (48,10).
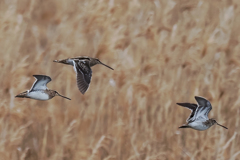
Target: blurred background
(162,52)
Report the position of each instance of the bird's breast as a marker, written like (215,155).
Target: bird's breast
(198,126)
(39,95)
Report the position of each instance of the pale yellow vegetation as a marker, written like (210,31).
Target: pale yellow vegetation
(163,52)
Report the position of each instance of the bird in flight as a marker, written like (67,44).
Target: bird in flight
(82,66)
(39,90)
(198,118)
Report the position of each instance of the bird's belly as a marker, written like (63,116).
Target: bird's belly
(39,95)
(198,126)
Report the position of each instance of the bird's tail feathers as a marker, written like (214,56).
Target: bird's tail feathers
(184,126)
(22,95)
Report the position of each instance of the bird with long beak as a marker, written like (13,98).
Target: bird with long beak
(39,90)
(82,66)
(198,119)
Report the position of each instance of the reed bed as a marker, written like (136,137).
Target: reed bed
(163,52)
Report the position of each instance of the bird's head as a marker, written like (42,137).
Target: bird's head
(213,121)
(94,61)
(57,94)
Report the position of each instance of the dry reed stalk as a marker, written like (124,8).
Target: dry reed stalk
(163,52)
(102,148)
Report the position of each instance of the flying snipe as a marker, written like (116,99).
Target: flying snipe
(82,66)
(39,90)
(198,119)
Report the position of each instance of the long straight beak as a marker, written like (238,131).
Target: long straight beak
(106,65)
(221,125)
(62,96)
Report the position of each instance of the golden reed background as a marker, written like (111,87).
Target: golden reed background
(163,52)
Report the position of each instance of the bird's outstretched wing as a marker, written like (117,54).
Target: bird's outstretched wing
(190,106)
(41,82)
(84,75)
(204,107)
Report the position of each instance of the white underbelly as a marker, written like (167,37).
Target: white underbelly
(38,95)
(198,126)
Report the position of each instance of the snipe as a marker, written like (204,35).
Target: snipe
(39,90)
(82,66)
(198,119)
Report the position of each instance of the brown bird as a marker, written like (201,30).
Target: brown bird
(39,90)
(82,66)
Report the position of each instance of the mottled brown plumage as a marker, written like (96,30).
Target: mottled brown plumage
(82,66)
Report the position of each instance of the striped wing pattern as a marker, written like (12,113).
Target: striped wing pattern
(41,82)
(192,107)
(204,107)
(81,58)
(84,75)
